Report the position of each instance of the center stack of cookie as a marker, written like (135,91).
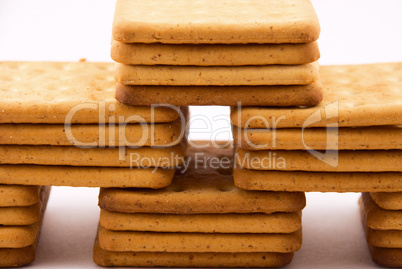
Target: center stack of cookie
(207,52)
(253,53)
(200,220)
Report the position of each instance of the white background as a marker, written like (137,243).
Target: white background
(352,32)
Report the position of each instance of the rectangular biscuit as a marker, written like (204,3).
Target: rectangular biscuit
(317,181)
(202,223)
(170,75)
(201,188)
(19,195)
(380,219)
(388,200)
(289,95)
(354,95)
(189,259)
(348,138)
(198,242)
(303,160)
(214,55)
(24,215)
(387,257)
(50,92)
(15,257)
(208,21)
(77,156)
(92,135)
(86,176)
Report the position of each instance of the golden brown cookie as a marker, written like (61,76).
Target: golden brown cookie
(289,95)
(212,21)
(187,259)
(170,75)
(388,200)
(212,55)
(354,95)
(198,242)
(303,160)
(19,195)
(347,138)
(78,156)
(202,223)
(86,176)
(317,181)
(51,92)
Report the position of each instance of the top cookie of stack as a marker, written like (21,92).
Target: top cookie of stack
(214,52)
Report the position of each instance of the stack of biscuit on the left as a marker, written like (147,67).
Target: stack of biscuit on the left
(21,213)
(60,125)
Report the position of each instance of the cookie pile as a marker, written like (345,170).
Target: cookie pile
(252,53)
(200,220)
(349,143)
(61,125)
(21,212)
(382,221)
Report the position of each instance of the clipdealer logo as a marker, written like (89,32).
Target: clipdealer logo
(328,114)
(110,124)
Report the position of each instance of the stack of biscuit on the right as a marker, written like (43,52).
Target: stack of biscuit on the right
(351,142)
(382,221)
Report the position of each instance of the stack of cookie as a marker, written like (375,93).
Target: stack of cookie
(351,142)
(253,53)
(382,221)
(201,220)
(21,212)
(61,125)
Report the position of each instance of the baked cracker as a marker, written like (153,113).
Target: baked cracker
(46,92)
(78,156)
(348,138)
(214,55)
(388,200)
(289,95)
(92,135)
(317,181)
(303,160)
(189,259)
(198,242)
(19,195)
(354,95)
(209,21)
(202,223)
(170,75)
(85,176)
